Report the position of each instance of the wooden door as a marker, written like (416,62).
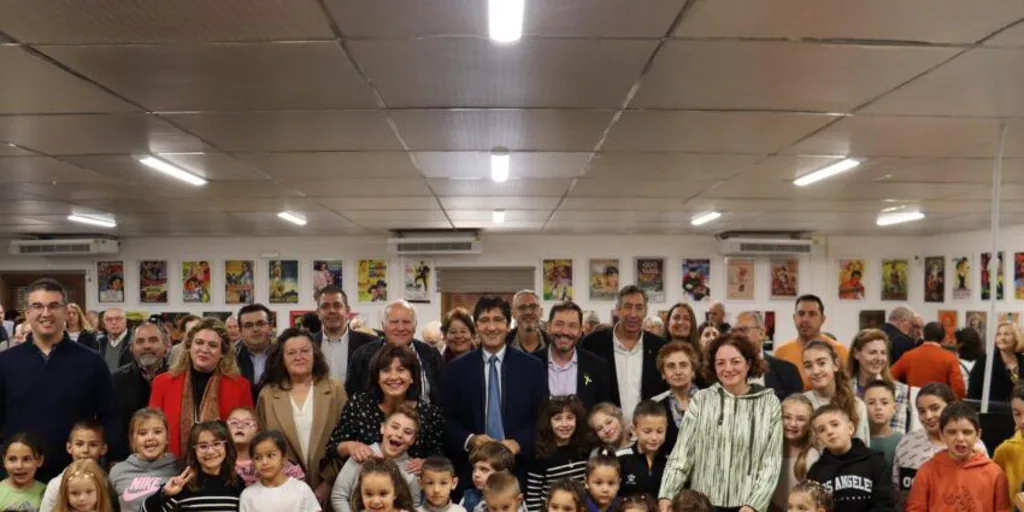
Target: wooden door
(14,286)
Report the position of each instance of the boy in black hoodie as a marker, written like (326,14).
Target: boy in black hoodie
(856,475)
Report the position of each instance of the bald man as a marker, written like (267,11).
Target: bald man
(115,344)
(899,328)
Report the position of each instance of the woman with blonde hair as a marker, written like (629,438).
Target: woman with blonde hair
(1007,365)
(203,385)
(79,328)
(868,361)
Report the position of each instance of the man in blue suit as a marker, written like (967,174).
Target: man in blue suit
(493,392)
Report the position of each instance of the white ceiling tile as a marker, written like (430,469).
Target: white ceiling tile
(315,220)
(486,187)
(835,189)
(779,75)
(860,136)
(345,165)
(361,187)
(1008,192)
(91,134)
(506,202)
(518,130)
(233,189)
(477,164)
(41,169)
(33,86)
(487,215)
(16,207)
(574,202)
(618,187)
(78,191)
(377,202)
(360,216)
(212,166)
(1013,36)
(710,132)
(409,224)
(960,170)
(668,166)
(11,150)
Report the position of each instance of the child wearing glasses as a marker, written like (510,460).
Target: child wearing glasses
(243,427)
(209,482)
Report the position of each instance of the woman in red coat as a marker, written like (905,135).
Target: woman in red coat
(204,384)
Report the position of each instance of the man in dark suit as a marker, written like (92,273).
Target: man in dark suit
(630,352)
(257,336)
(898,328)
(399,328)
(573,371)
(149,346)
(115,343)
(341,342)
(493,392)
(782,376)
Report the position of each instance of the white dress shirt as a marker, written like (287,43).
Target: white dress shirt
(629,373)
(303,415)
(336,353)
(487,380)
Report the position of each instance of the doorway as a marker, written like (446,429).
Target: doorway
(14,289)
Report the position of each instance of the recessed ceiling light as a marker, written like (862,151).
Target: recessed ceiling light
(498,216)
(505,20)
(93,221)
(500,164)
(704,218)
(171,170)
(293,217)
(827,172)
(889,219)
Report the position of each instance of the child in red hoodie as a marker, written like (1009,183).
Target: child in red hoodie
(959,478)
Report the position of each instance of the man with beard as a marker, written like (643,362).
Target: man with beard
(630,352)
(149,346)
(573,371)
(527,334)
(338,340)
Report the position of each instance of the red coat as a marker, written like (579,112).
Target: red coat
(167,393)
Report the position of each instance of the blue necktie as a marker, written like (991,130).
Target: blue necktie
(494,427)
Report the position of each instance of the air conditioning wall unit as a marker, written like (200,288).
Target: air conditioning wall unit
(65,247)
(435,244)
(764,246)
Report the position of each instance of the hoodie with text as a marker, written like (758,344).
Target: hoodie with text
(944,484)
(858,479)
(136,479)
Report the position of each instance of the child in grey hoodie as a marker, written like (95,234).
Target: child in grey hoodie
(145,470)
(398,433)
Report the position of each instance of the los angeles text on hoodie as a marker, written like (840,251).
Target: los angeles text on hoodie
(859,479)
(136,479)
(944,484)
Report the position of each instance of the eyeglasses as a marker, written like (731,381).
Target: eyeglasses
(36,307)
(216,445)
(524,308)
(258,325)
(241,423)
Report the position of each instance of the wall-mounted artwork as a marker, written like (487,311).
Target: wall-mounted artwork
(1018,275)
(1012,317)
(373,281)
(871,319)
(650,277)
(948,320)
(935,279)
(110,281)
(851,279)
(979,321)
(986,281)
(284,281)
(327,273)
(740,281)
(785,273)
(697,278)
(603,278)
(416,279)
(295,318)
(195,282)
(894,279)
(239,282)
(962,278)
(153,281)
(557,279)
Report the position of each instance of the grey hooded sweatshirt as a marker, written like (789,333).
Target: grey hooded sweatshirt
(136,479)
(348,478)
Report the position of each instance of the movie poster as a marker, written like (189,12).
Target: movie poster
(851,279)
(153,281)
(110,280)
(769,329)
(986,281)
(650,277)
(697,279)
(894,279)
(557,278)
(784,277)
(739,274)
(948,320)
(962,278)
(604,278)
(135,318)
(935,279)
(416,279)
(373,281)
(1018,275)
(295,317)
(1011,317)
(239,282)
(284,281)
(978,320)
(327,273)
(871,319)
(195,282)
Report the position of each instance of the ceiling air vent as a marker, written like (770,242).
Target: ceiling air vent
(428,243)
(64,247)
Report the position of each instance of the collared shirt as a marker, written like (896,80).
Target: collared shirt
(336,353)
(629,372)
(114,342)
(259,364)
(487,380)
(562,379)
(540,336)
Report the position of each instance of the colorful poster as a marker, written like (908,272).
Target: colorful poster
(650,277)
(986,281)
(327,273)
(295,317)
(153,281)
(416,279)
(935,279)
(1018,275)
(871,319)
(947,318)
(135,317)
(851,279)
(373,281)
(110,280)
(1011,317)
(739,273)
(239,287)
(697,279)
(894,279)
(769,328)
(557,278)
(785,274)
(978,320)
(284,281)
(195,282)
(962,279)
(604,278)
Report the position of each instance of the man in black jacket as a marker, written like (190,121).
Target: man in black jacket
(782,376)
(527,334)
(341,341)
(115,344)
(257,336)
(573,371)
(898,328)
(399,328)
(149,347)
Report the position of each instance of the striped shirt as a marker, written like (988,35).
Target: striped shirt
(541,473)
(215,494)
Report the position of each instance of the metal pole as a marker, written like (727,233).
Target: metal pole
(993,270)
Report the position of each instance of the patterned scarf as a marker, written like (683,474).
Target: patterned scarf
(209,406)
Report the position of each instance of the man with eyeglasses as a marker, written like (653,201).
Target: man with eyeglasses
(527,334)
(257,335)
(149,345)
(50,383)
(337,341)
(782,376)
(115,345)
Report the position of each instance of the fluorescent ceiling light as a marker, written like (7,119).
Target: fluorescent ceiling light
(888,219)
(827,172)
(172,170)
(704,218)
(93,221)
(500,164)
(293,217)
(505,20)
(498,216)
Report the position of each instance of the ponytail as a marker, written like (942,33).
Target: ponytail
(844,398)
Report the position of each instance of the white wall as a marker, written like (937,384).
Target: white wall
(818,272)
